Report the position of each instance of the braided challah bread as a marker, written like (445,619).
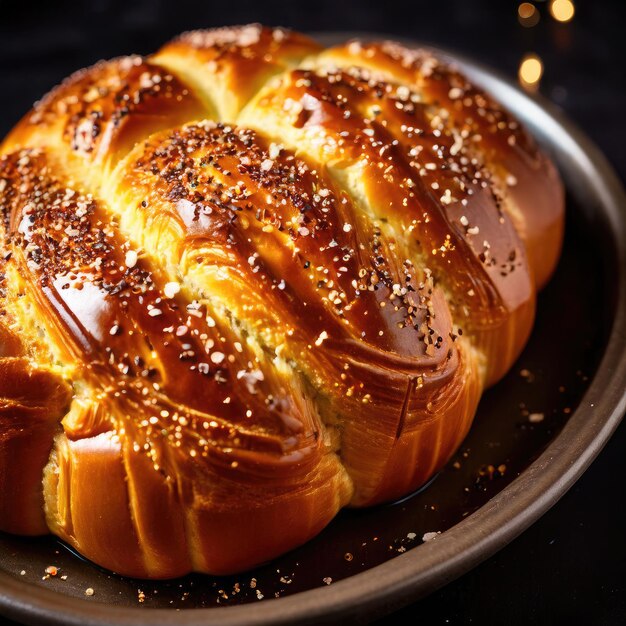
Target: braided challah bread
(248,281)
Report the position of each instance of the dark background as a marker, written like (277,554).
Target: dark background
(570,567)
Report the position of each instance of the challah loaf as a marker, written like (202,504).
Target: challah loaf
(246,282)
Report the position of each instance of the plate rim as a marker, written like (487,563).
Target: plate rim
(414,574)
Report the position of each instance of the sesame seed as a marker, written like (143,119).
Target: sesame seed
(323,336)
(131,258)
(275,150)
(446,198)
(171,289)
(217,357)
(403,92)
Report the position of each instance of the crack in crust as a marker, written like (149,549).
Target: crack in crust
(255,281)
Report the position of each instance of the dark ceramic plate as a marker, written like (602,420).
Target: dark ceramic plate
(534,435)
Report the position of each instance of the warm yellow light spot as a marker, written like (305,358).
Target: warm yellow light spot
(562,10)
(530,71)
(527,14)
(525,10)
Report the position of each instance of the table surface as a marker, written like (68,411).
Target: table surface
(570,567)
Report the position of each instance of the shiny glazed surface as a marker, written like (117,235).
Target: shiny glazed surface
(254,282)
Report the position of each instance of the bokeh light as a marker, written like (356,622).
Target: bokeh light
(562,10)
(530,72)
(527,14)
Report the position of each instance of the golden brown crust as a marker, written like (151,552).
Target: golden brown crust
(32,404)
(288,307)
(526,180)
(417,176)
(349,315)
(227,66)
(99,113)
